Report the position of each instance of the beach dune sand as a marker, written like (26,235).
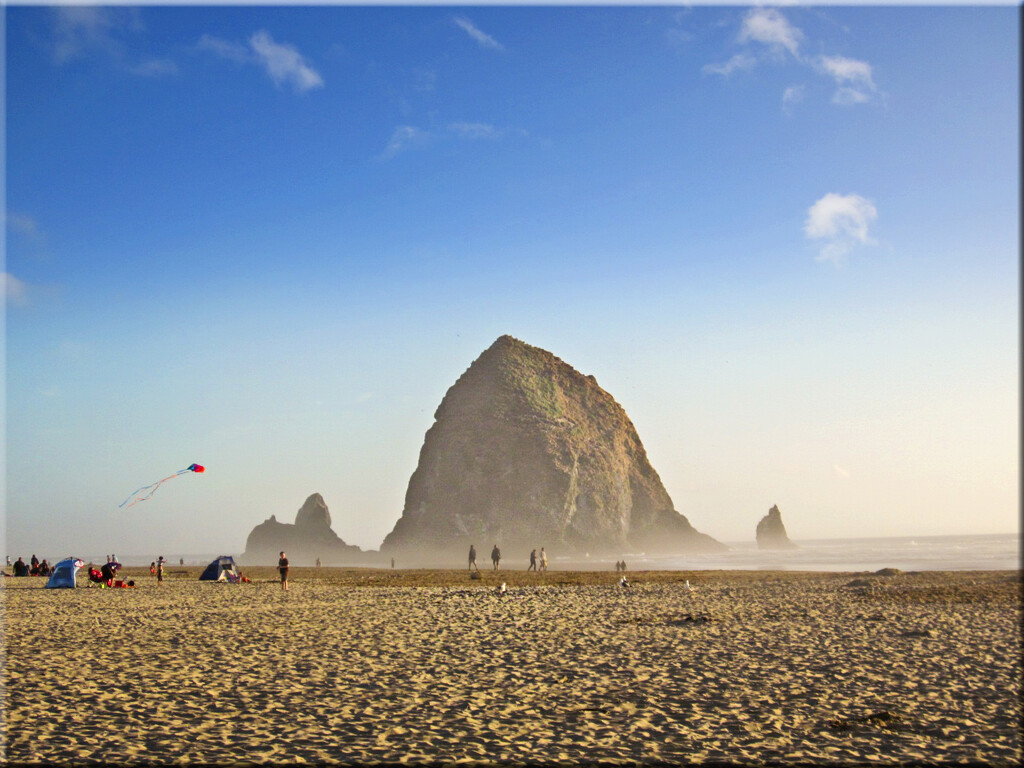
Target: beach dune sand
(355,666)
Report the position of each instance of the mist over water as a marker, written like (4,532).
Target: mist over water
(990,552)
(909,553)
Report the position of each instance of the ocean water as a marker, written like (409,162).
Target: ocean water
(908,553)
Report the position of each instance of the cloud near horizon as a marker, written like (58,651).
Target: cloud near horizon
(841,221)
(485,40)
(281,61)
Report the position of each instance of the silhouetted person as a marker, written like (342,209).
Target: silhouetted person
(495,556)
(472,557)
(533,560)
(20,567)
(282,566)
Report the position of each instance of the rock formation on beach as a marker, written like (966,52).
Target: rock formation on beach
(526,452)
(309,538)
(771,533)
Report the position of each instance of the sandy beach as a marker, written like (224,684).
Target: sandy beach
(358,666)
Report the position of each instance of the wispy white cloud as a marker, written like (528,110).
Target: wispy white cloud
(407,136)
(15,290)
(402,138)
(281,61)
(740,61)
(848,70)
(841,471)
(770,27)
(485,40)
(81,31)
(841,222)
(853,78)
(284,63)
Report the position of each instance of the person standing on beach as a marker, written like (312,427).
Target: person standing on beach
(472,557)
(160,570)
(533,560)
(282,566)
(495,556)
(543,559)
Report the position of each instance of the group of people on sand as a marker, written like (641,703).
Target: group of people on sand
(535,565)
(620,565)
(37,568)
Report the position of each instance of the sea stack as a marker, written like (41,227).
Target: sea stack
(525,451)
(771,533)
(309,538)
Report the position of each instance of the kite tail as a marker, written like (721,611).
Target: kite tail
(155,486)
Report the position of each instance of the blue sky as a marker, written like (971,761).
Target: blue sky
(267,240)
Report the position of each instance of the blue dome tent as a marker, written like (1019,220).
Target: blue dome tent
(221,569)
(64,572)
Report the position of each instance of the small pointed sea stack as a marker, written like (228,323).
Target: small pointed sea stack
(771,533)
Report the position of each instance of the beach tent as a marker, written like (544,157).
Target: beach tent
(221,569)
(63,576)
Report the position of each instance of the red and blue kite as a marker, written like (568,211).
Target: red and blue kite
(152,488)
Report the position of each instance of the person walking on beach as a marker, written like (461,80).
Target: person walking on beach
(282,566)
(472,557)
(543,559)
(533,560)
(495,556)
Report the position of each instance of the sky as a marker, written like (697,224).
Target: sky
(268,239)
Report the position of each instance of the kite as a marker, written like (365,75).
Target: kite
(135,497)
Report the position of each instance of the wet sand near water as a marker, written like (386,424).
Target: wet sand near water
(358,666)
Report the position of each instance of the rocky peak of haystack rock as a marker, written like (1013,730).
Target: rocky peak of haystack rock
(527,452)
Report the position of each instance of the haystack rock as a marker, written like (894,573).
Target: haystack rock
(309,538)
(771,533)
(526,452)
